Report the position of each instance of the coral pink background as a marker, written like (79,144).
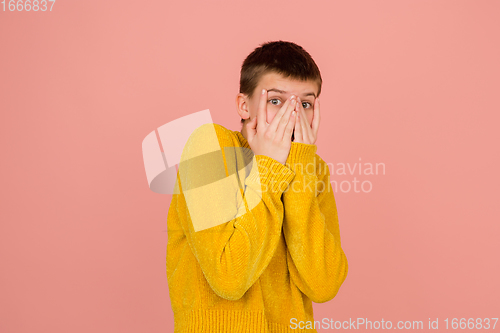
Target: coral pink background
(411,84)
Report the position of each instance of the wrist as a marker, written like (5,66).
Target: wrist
(273,176)
(301,153)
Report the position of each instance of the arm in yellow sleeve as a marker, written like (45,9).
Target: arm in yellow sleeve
(316,261)
(232,230)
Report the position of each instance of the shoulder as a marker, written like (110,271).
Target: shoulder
(210,132)
(208,138)
(202,159)
(322,169)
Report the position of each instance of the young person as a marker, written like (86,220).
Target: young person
(253,233)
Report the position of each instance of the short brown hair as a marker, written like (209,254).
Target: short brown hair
(285,58)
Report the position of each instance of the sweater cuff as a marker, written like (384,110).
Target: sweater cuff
(301,153)
(270,174)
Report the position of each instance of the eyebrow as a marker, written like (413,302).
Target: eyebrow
(284,92)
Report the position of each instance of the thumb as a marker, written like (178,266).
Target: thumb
(253,122)
(251,128)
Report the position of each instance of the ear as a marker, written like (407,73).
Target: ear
(242,106)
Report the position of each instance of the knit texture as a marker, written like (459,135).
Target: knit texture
(250,248)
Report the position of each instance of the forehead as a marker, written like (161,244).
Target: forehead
(278,81)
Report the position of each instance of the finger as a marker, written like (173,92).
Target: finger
(316,117)
(290,126)
(298,129)
(303,119)
(262,110)
(251,128)
(252,124)
(280,131)
(304,126)
(277,118)
(302,111)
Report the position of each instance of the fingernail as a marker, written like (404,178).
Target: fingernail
(263,91)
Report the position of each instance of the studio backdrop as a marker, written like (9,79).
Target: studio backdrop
(409,129)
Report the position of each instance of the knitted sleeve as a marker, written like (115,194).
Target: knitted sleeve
(316,261)
(232,220)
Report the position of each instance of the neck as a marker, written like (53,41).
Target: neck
(243,131)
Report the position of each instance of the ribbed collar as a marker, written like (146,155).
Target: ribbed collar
(241,138)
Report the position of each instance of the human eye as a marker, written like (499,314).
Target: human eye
(275,101)
(306,105)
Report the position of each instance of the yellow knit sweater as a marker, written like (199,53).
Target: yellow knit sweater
(250,245)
